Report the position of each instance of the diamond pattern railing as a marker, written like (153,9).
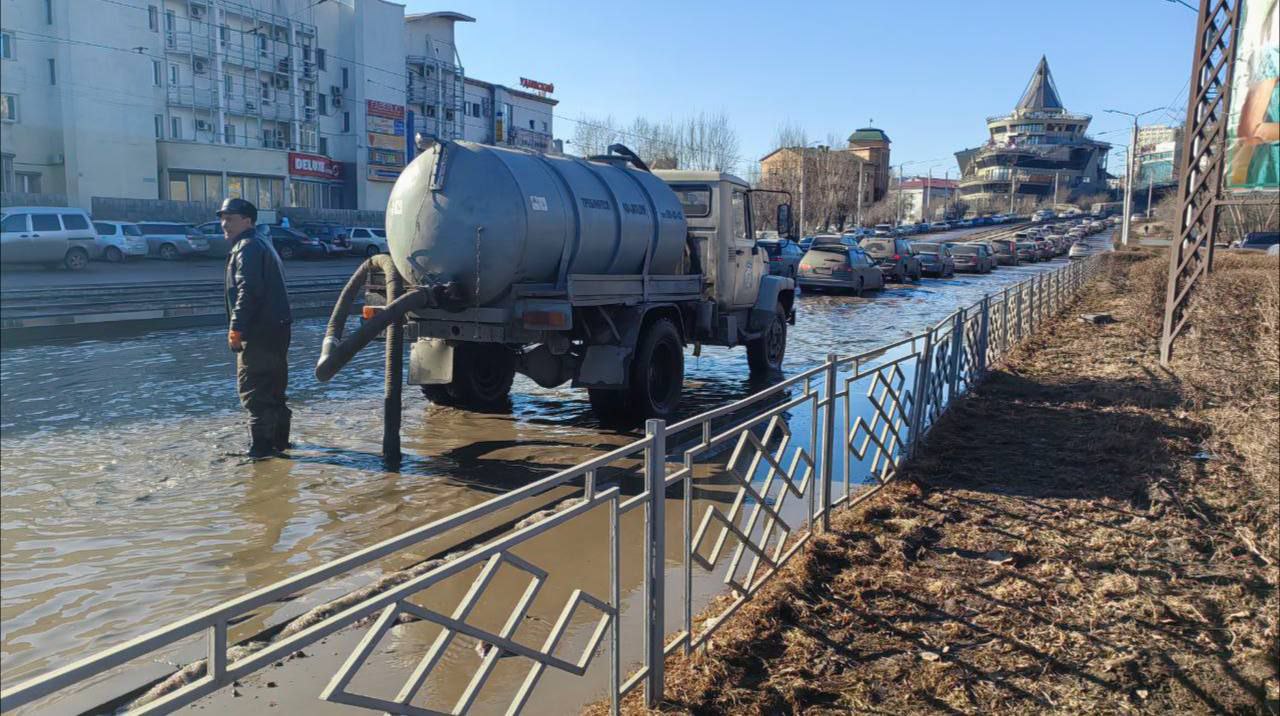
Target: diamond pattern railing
(867,414)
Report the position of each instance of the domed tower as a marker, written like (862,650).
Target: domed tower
(871,145)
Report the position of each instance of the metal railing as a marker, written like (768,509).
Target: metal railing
(770,469)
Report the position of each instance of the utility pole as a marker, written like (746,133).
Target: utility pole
(1013,180)
(1131,164)
(802,158)
(897,208)
(1150,190)
(1055,190)
(862,172)
(928,189)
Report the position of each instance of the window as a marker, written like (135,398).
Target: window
(324,146)
(104,229)
(153,18)
(157,74)
(740,216)
(170,20)
(696,200)
(226,85)
(475,109)
(346,121)
(307,98)
(266,90)
(14,223)
(175,127)
(74,222)
(48,12)
(6,46)
(229,133)
(431,110)
(6,172)
(44,222)
(53,72)
(320,57)
(159,121)
(173,74)
(8,107)
(544,127)
(324,104)
(262,43)
(448,115)
(306,52)
(224,34)
(344,78)
(531,125)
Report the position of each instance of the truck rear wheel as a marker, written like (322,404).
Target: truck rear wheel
(482,376)
(764,354)
(657,379)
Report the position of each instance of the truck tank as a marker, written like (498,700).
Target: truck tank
(488,217)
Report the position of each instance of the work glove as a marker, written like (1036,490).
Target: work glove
(235,340)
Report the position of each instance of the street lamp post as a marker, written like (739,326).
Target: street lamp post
(1130,170)
(804,148)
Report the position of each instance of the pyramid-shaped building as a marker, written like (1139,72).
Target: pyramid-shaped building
(1037,146)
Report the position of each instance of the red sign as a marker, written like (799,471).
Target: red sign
(313,165)
(384,109)
(536,85)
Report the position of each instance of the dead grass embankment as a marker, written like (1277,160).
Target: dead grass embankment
(1085,533)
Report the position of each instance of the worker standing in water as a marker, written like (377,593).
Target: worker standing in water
(260,325)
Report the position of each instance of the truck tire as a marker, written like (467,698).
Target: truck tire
(657,379)
(482,375)
(764,354)
(438,394)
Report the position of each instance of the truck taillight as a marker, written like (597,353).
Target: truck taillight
(897,257)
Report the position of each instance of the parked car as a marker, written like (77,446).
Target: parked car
(120,240)
(973,257)
(805,242)
(213,236)
(171,241)
(883,230)
(894,258)
(1027,251)
(940,226)
(367,241)
(1078,250)
(334,237)
(1045,249)
(47,235)
(1006,251)
(836,267)
(292,244)
(784,256)
(1259,241)
(842,239)
(935,259)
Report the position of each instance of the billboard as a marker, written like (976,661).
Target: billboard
(313,165)
(1253,123)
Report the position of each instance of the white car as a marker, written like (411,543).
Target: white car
(171,241)
(52,235)
(120,240)
(367,241)
(1078,250)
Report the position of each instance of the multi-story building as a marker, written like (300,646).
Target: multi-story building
(284,102)
(926,198)
(1159,148)
(863,164)
(1034,151)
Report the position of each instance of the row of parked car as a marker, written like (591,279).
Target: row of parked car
(69,237)
(855,262)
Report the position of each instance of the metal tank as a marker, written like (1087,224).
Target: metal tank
(488,217)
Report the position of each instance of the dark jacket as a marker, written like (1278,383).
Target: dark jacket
(257,301)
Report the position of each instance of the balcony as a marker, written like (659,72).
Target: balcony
(1059,115)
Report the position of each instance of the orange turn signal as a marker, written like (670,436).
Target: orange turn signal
(369,312)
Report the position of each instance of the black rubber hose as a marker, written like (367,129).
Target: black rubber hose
(336,354)
(391,394)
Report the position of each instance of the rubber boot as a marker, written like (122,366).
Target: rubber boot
(259,445)
(280,440)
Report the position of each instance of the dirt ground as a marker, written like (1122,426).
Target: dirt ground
(1086,533)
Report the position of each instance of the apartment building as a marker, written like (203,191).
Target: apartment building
(284,102)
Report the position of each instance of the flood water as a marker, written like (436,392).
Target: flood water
(124,505)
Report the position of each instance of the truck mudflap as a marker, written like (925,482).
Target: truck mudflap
(430,362)
(773,290)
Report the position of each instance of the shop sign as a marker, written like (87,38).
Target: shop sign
(384,109)
(386,141)
(383,125)
(313,165)
(386,157)
(383,174)
(537,86)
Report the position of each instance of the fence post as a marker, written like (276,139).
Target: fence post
(655,477)
(957,352)
(828,439)
(921,387)
(1004,325)
(984,329)
(1018,315)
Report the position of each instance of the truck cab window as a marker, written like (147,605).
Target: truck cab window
(739,210)
(695,200)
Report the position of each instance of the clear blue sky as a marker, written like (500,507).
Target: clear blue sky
(928,72)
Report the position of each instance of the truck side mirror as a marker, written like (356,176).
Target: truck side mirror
(784,219)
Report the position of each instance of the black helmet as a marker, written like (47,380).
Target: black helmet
(236,205)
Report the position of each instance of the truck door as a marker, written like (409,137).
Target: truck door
(745,264)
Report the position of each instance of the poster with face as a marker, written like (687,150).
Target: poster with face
(1253,128)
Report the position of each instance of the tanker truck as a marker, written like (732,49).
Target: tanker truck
(597,271)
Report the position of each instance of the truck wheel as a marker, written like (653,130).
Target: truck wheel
(657,379)
(482,376)
(438,394)
(764,354)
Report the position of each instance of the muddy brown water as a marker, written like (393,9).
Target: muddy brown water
(124,505)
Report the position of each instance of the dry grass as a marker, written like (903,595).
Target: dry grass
(1063,543)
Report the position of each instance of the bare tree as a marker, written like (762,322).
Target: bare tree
(592,136)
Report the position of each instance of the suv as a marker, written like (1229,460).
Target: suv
(120,240)
(1006,251)
(172,241)
(894,258)
(367,240)
(47,235)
